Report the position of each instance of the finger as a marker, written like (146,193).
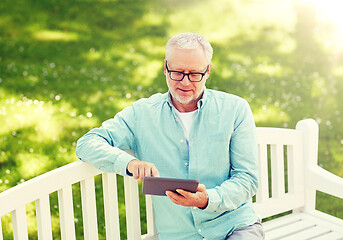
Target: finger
(184,193)
(135,173)
(146,172)
(173,200)
(201,188)
(173,197)
(154,172)
(142,173)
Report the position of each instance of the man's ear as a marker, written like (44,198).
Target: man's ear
(209,69)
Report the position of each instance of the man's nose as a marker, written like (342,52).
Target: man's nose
(185,81)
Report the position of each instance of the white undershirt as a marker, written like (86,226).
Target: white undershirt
(186,119)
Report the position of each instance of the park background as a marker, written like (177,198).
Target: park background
(66,66)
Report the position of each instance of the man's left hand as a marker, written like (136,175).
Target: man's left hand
(184,198)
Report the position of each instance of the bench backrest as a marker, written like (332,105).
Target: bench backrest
(283,155)
(60,180)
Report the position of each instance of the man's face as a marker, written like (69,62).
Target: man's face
(185,93)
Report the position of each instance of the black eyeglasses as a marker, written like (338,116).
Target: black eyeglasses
(193,76)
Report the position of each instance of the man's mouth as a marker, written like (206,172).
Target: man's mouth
(184,90)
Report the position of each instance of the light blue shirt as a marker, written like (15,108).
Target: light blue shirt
(222,155)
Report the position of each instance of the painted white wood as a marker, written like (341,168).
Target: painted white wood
(308,233)
(295,165)
(325,181)
(330,236)
(281,221)
(317,220)
(266,135)
(278,170)
(151,229)
(149,237)
(295,168)
(109,182)
(263,190)
(289,230)
(133,224)
(19,224)
(326,220)
(1,235)
(43,217)
(275,206)
(310,157)
(90,224)
(65,201)
(44,184)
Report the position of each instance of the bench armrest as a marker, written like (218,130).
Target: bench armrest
(325,181)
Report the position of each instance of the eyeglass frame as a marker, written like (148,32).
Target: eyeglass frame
(184,74)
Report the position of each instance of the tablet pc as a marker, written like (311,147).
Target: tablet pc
(159,185)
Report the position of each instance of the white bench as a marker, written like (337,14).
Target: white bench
(293,150)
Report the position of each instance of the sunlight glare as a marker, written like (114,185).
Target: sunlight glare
(330,11)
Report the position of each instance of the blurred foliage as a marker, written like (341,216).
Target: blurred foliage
(66,66)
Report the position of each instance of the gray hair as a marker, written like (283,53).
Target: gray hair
(189,41)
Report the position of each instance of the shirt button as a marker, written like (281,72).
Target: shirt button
(120,173)
(181,140)
(186,163)
(195,209)
(199,230)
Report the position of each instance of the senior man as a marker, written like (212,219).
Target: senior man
(189,132)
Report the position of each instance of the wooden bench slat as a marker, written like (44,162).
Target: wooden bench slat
(19,223)
(43,218)
(1,235)
(263,188)
(278,170)
(109,182)
(316,219)
(282,221)
(330,236)
(90,224)
(150,216)
(268,135)
(291,153)
(133,223)
(310,233)
(289,230)
(295,166)
(65,201)
(325,220)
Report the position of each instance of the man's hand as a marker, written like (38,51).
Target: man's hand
(184,198)
(140,169)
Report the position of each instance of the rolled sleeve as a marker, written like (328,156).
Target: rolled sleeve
(103,147)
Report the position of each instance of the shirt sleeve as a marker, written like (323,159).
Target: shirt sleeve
(102,147)
(243,176)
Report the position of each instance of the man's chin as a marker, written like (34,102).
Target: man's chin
(183,100)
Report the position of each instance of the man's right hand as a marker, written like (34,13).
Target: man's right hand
(140,169)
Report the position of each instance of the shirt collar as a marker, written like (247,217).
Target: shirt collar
(203,98)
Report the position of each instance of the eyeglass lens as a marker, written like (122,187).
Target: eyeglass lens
(180,75)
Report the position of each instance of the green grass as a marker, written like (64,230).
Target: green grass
(66,66)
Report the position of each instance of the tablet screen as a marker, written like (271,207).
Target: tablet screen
(158,185)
